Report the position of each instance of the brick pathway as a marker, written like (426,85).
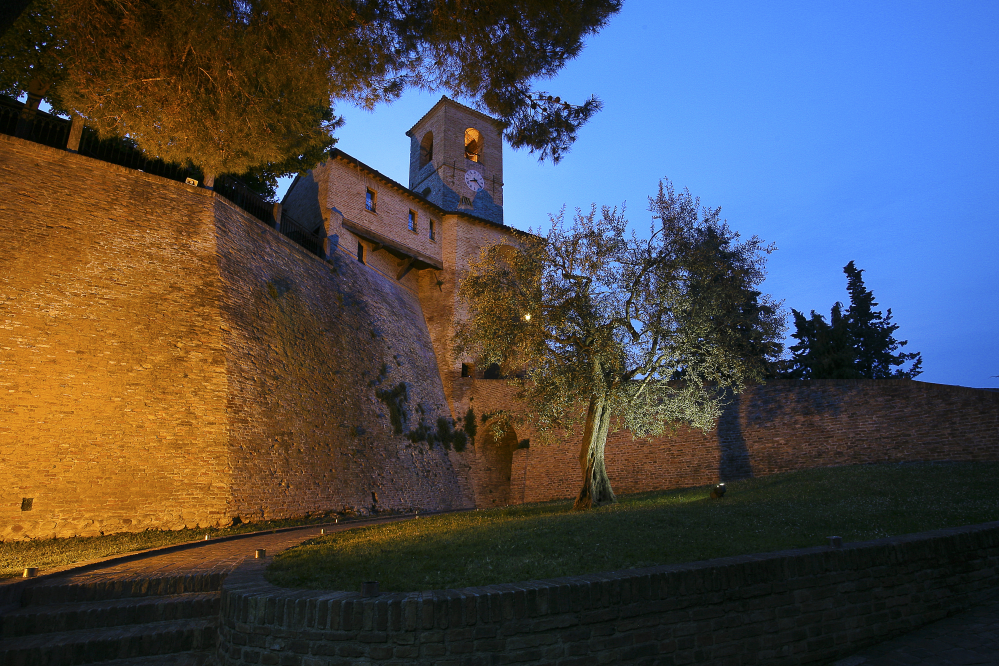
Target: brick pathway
(212,557)
(971,637)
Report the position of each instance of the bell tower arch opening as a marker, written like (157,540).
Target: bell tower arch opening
(427,149)
(473,145)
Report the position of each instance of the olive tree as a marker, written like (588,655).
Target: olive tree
(645,331)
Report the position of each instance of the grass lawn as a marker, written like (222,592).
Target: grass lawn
(793,510)
(52,553)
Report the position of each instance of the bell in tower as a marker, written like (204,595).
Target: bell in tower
(456,160)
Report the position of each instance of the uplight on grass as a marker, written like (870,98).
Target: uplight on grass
(794,510)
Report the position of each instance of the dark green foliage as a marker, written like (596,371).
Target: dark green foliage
(444,434)
(471,427)
(397,401)
(856,344)
(250,86)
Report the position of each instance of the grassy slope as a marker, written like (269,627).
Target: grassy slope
(793,510)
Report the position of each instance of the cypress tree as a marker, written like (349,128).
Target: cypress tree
(856,344)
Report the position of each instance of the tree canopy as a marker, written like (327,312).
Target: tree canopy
(234,84)
(652,331)
(856,344)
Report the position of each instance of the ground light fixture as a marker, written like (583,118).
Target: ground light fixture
(718,491)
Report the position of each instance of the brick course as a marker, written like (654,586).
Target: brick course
(811,605)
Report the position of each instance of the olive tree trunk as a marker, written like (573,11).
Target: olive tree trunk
(596,489)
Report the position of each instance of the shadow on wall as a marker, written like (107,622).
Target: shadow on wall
(794,397)
(734,463)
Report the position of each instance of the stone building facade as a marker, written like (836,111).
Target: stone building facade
(423,236)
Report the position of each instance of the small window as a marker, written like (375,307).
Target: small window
(427,149)
(426,192)
(360,252)
(370,200)
(433,236)
(412,220)
(473,144)
(466,370)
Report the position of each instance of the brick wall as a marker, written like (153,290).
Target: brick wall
(462,241)
(112,368)
(779,427)
(309,343)
(811,605)
(168,361)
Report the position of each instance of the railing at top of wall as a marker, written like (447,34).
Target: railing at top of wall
(298,233)
(53,131)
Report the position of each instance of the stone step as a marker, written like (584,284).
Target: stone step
(38,619)
(89,646)
(199,658)
(56,592)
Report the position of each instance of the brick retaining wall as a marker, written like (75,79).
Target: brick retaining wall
(782,426)
(810,605)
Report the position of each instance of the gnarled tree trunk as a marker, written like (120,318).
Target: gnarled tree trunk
(596,489)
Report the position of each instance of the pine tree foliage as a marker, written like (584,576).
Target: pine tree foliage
(235,84)
(856,344)
(594,322)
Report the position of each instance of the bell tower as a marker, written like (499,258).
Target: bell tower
(456,160)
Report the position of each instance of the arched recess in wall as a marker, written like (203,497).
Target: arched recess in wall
(426,149)
(494,482)
(473,145)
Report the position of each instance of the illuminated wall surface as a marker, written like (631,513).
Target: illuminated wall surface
(166,360)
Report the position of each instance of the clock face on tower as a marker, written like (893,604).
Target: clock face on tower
(474,180)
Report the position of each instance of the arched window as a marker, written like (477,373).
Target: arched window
(473,144)
(427,149)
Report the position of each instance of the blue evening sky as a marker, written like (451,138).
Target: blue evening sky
(840,131)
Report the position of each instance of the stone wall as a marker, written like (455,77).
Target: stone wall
(779,427)
(811,605)
(168,361)
(309,343)
(112,367)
